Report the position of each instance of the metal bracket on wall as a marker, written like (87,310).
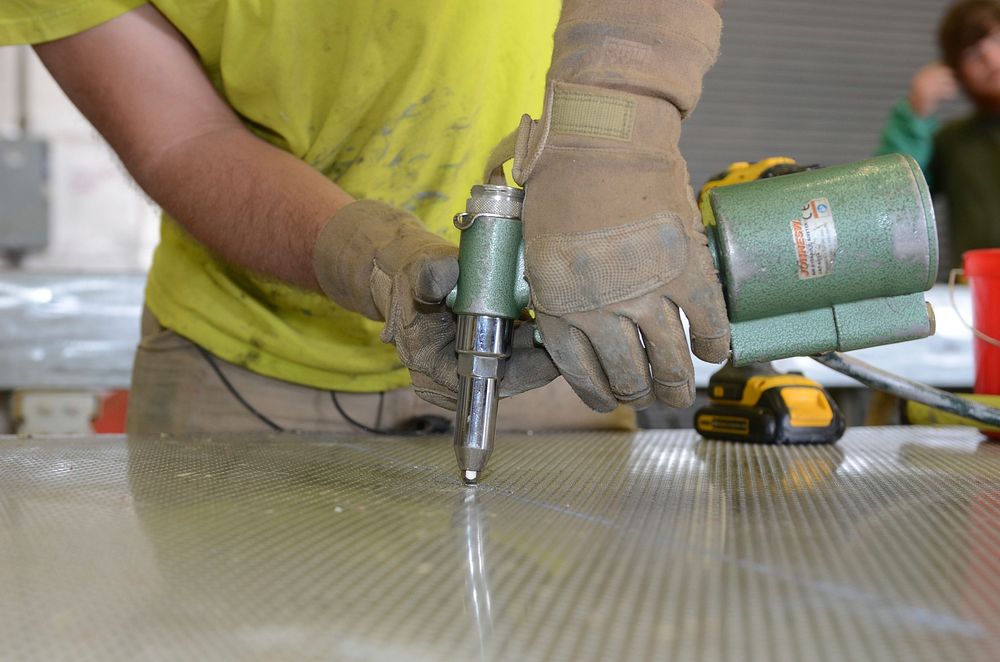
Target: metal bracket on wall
(24,214)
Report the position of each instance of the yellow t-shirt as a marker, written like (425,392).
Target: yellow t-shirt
(399,101)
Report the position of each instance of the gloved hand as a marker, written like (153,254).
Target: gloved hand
(381,262)
(614,244)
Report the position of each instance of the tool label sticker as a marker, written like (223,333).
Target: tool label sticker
(815,239)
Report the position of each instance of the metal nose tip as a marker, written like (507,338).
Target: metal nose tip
(470,477)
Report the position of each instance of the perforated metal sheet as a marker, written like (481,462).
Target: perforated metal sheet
(575,547)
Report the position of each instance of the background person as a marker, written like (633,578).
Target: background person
(962,158)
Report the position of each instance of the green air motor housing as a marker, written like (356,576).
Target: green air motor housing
(829,259)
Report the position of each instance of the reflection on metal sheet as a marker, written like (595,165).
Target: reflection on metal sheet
(575,547)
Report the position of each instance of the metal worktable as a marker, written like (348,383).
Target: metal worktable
(575,547)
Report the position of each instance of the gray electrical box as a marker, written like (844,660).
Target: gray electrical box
(24,207)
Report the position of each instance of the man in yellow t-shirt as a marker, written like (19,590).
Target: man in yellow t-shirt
(309,157)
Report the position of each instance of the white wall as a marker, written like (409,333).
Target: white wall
(99,219)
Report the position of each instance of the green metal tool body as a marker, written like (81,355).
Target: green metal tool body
(830,259)
(818,261)
(490,295)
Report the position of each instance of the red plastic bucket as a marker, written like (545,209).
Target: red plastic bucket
(982,269)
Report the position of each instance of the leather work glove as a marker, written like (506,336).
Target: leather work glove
(383,263)
(614,244)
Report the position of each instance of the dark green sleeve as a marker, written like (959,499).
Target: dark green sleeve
(907,133)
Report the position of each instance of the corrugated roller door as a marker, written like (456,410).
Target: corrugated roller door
(809,79)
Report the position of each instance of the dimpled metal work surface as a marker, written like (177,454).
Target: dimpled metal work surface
(574,547)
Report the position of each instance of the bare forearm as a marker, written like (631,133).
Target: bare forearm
(141,85)
(249,202)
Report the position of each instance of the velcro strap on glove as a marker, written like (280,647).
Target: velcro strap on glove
(581,116)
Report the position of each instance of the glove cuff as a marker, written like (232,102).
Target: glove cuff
(345,250)
(655,48)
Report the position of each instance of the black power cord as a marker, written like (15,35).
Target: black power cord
(236,394)
(359,424)
(417,427)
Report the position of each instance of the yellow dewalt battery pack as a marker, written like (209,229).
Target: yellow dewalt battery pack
(757,404)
